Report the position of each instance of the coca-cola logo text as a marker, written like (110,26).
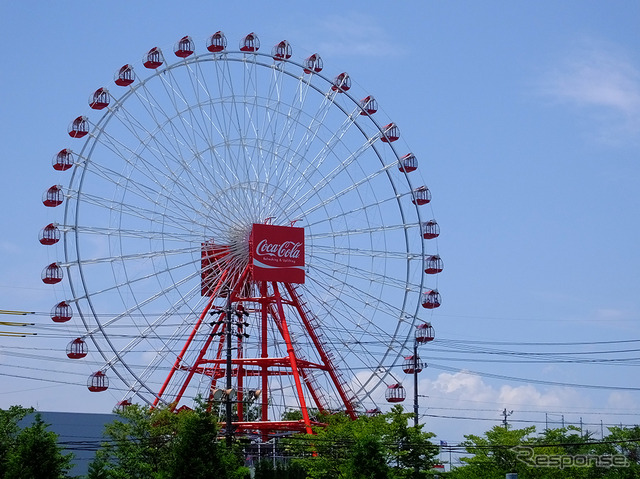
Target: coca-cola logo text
(287,249)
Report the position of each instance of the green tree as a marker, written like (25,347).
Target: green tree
(158,443)
(493,455)
(562,453)
(379,447)
(36,454)
(411,449)
(98,468)
(197,453)
(623,445)
(9,430)
(137,443)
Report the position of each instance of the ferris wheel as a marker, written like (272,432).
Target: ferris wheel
(223,201)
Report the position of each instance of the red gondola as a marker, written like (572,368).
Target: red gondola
(391,133)
(341,83)
(184,47)
(313,64)
(53,196)
(153,59)
(98,382)
(77,349)
(63,160)
(395,393)
(217,42)
(79,127)
(430,229)
(122,405)
(425,333)
(124,76)
(369,105)
(52,274)
(49,235)
(431,299)
(100,99)
(421,196)
(408,163)
(61,312)
(250,43)
(433,264)
(282,51)
(410,366)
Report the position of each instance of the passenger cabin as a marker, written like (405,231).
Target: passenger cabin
(77,349)
(61,312)
(282,51)
(53,196)
(79,127)
(124,76)
(395,393)
(421,196)
(313,64)
(412,364)
(49,235)
(408,163)
(63,160)
(369,105)
(390,133)
(153,59)
(184,47)
(217,42)
(250,43)
(431,299)
(100,99)
(52,274)
(430,229)
(425,333)
(433,264)
(341,83)
(98,382)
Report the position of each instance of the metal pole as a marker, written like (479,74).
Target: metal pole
(415,396)
(229,428)
(415,383)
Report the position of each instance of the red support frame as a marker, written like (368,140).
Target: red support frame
(266,300)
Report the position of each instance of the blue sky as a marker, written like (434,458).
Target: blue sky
(526,118)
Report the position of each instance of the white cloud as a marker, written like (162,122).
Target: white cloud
(600,77)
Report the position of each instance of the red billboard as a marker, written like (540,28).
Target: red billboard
(277,253)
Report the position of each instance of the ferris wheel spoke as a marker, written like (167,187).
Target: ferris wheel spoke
(362,231)
(367,253)
(141,165)
(135,211)
(361,296)
(161,154)
(130,233)
(353,186)
(330,177)
(288,134)
(317,162)
(372,274)
(141,279)
(355,211)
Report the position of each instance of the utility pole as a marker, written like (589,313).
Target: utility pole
(506,414)
(228,312)
(229,386)
(415,383)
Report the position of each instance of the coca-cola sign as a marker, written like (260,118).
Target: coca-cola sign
(277,253)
